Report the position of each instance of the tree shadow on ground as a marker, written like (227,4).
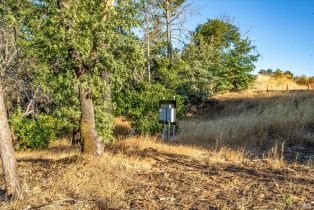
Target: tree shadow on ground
(184,182)
(46,161)
(163,158)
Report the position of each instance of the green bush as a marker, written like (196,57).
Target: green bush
(278,74)
(35,133)
(288,74)
(140,104)
(302,80)
(104,122)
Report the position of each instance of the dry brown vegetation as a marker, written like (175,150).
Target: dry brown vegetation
(263,81)
(240,151)
(144,173)
(256,123)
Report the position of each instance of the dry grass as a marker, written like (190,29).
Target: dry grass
(142,143)
(144,173)
(62,176)
(261,121)
(122,127)
(263,81)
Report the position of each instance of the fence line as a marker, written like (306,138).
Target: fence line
(288,90)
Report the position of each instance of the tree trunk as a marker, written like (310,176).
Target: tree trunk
(169,34)
(147,31)
(91,142)
(12,185)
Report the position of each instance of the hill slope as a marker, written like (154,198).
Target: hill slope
(264,81)
(257,120)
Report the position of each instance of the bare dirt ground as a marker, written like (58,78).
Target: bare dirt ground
(140,173)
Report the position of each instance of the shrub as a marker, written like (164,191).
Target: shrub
(266,72)
(140,104)
(104,122)
(34,133)
(278,74)
(288,74)
(302,80)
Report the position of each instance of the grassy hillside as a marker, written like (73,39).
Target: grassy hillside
(256,123)
(257,120)
(263,81)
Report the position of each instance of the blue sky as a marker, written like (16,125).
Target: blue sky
(282,30)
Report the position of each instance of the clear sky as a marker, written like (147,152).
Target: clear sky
(282,30)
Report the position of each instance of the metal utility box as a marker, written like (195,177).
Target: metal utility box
(167,111)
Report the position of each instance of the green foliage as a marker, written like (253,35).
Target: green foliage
(103,108)
(221,34)
(219,59)
(302,80)
(277,74)
(80,43)
(140,104)
(198,76)
(35,133)
(266,72)
(63,92)
(289,75)
(238,65)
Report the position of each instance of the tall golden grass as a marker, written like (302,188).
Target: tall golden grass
(264,81)
(257,121)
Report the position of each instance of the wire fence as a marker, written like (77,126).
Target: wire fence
(288,89)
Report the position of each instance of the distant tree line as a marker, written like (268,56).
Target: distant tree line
(301,80)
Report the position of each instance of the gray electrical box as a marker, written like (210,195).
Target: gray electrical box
(167,111)
(167,116)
